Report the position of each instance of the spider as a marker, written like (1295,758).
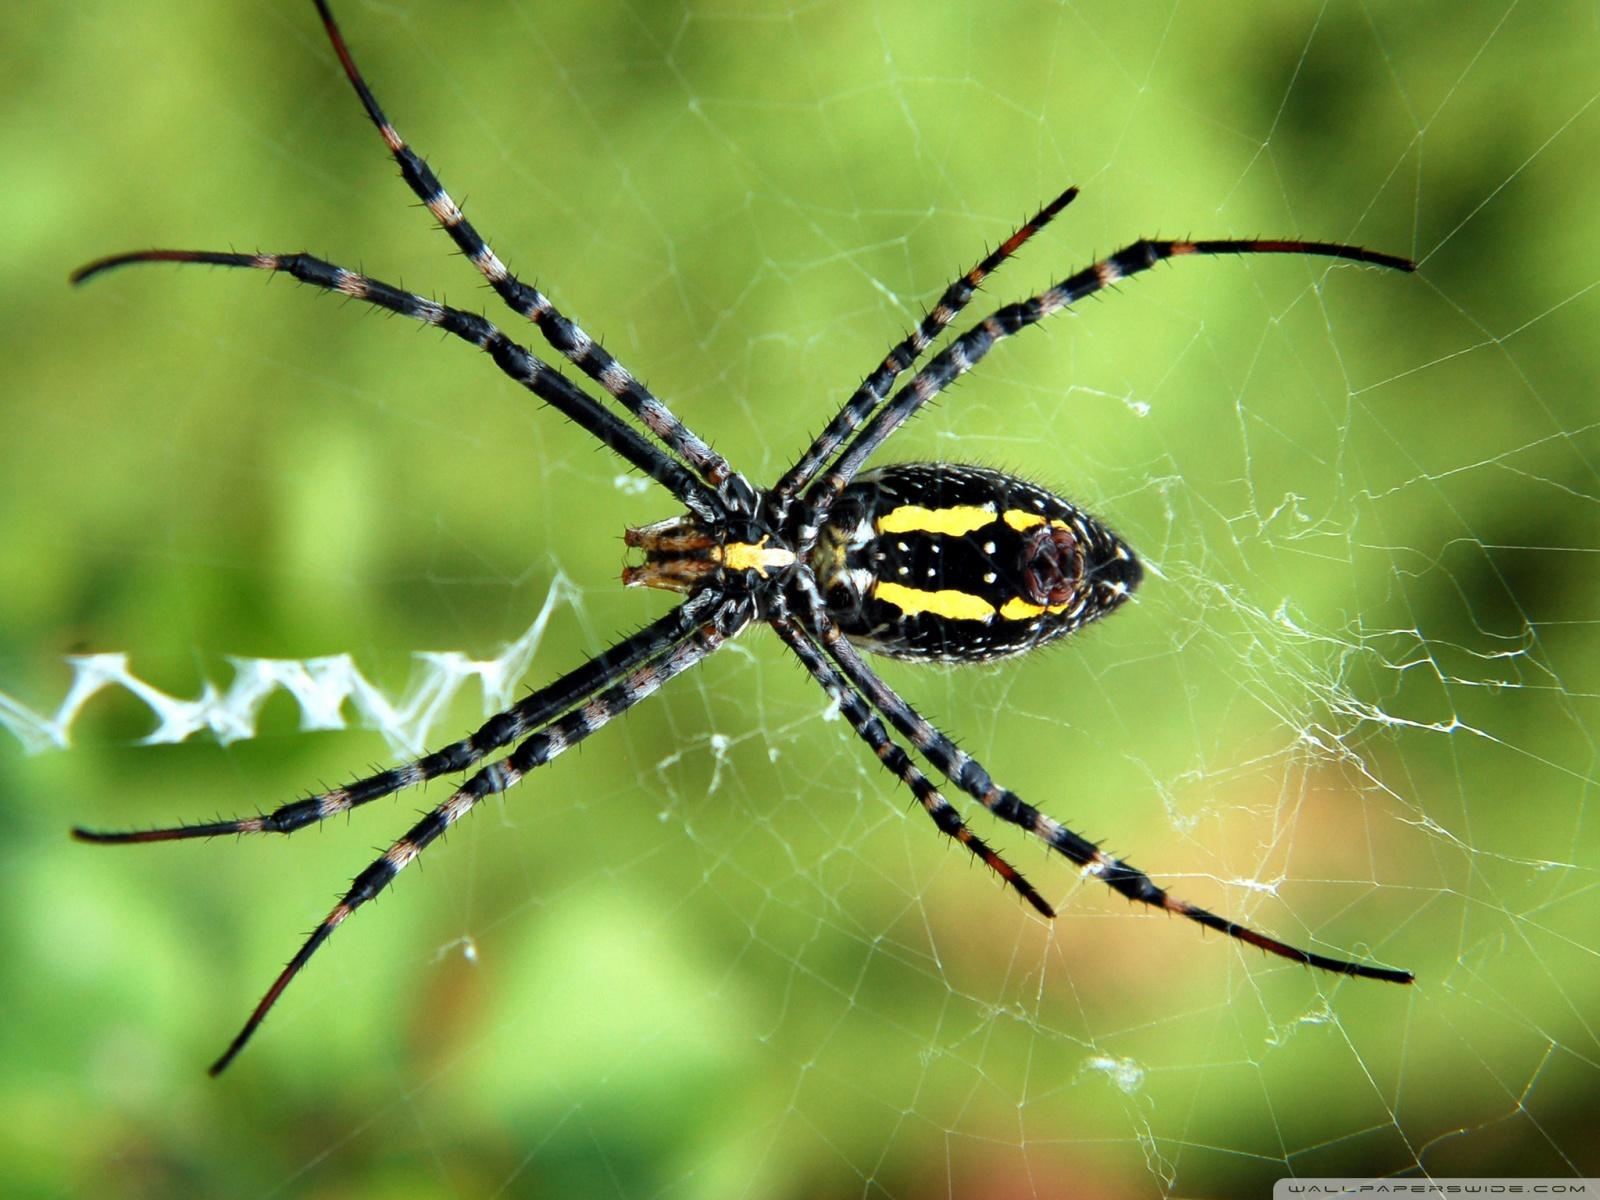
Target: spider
(927,562)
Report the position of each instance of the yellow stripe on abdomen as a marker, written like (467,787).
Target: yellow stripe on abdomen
(949,603)
(956,520)
(1018,609)
(1020,519)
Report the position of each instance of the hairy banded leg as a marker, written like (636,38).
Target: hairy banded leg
(532,711)
(871,731)
(560,331)
(961,355)
(539,747)
(866,398)
(972,778)
(513,359)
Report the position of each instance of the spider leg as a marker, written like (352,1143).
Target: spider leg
(870,730)
(539,747)
(966,351)
(560,331)
(531,712)
(866,398)
(512,358)
(972,778)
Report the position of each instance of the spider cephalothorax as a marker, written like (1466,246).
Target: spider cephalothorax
(926,561)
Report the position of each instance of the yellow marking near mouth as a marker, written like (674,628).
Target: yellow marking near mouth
(957,606)
(743,556)
(953,521)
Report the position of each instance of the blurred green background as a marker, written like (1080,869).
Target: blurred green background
(715,952)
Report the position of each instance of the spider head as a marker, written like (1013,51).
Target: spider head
(685,554)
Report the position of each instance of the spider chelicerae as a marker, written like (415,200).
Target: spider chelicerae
(929,562)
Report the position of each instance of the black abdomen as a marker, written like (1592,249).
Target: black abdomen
(934,561)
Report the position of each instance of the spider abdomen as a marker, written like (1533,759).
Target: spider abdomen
(939,562)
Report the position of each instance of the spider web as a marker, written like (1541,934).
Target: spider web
(714,951)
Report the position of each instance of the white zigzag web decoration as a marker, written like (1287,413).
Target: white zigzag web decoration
(322,687)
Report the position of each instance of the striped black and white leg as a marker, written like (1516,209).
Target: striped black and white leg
(961,355)
(864,401)
(538,748)
(512,358)
(564,334)
(531,712)
(968,774)
(871,731)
